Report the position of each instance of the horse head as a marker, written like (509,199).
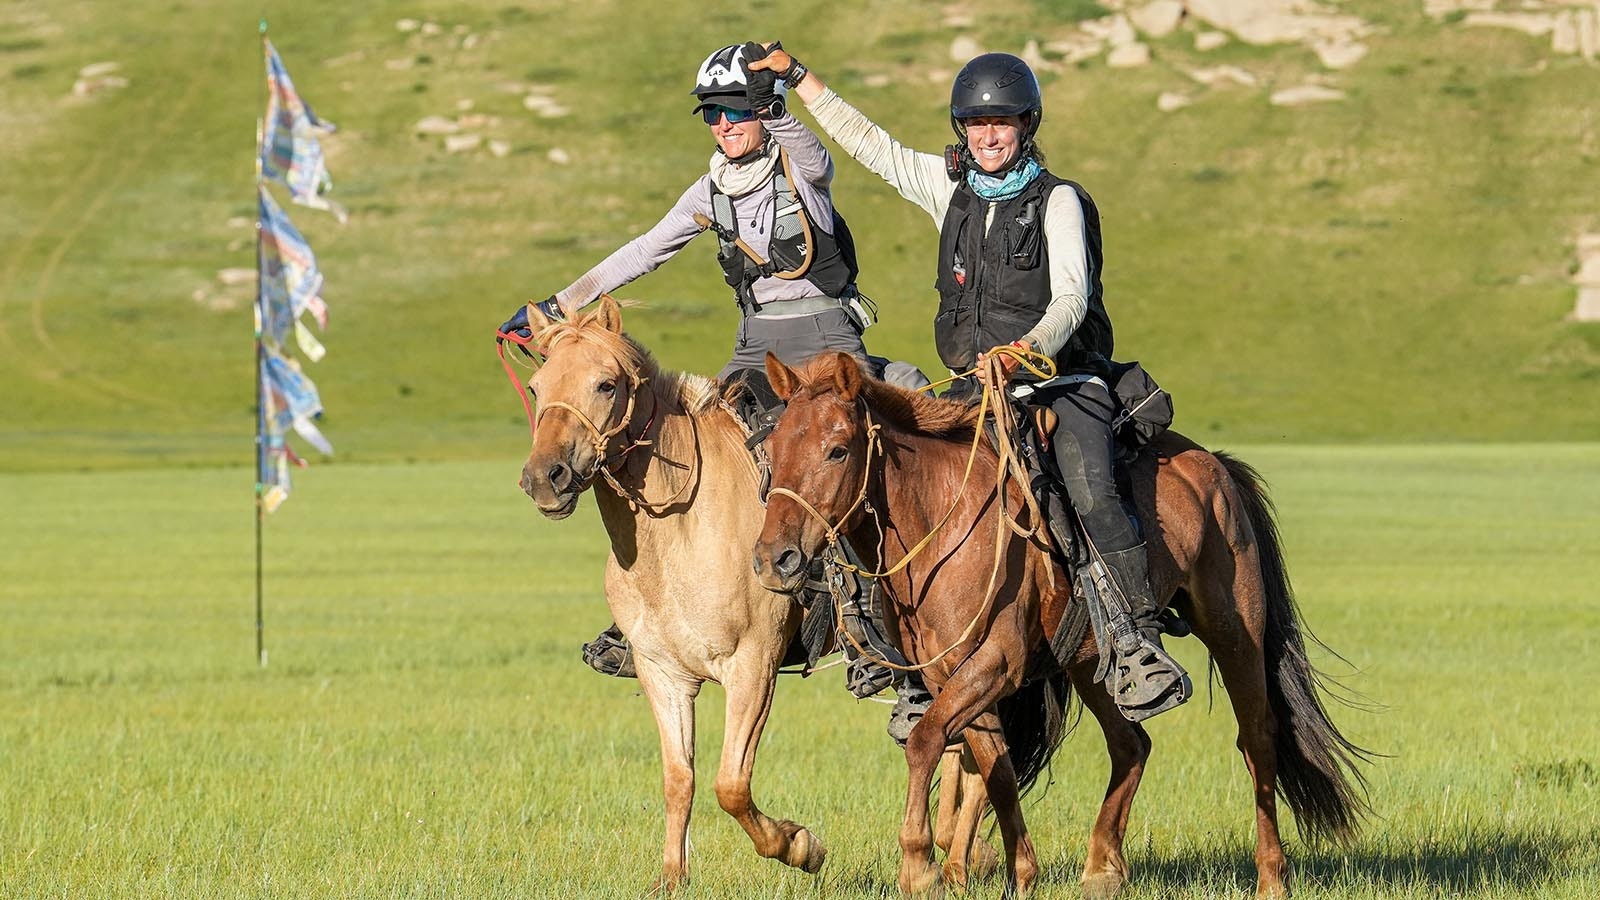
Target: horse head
(588,388)
(820,452)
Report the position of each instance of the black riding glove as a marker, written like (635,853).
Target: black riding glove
(760,86)
(518,326)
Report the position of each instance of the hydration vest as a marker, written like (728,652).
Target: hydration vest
(828,261)
(994,287)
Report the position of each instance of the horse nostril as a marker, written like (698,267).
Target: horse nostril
(788,563)
(558,475)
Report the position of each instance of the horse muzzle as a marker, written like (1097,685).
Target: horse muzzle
(554,485)
(780,567)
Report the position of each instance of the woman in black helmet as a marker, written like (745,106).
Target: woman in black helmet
(1019,263)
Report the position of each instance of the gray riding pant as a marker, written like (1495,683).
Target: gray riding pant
(793,340)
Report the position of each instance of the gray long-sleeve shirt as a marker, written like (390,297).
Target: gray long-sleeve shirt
(813,173)
(921,178)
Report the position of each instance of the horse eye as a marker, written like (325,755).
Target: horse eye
(836,454)
(606,387)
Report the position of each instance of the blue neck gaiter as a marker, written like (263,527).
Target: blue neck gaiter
(991,188)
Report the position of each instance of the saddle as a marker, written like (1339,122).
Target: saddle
(1145,411)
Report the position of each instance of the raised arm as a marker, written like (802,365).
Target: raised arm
(642,254)
(919,177)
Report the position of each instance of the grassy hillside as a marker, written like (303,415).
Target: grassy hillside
(1392,267)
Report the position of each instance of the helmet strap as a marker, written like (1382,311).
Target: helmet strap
(753,155)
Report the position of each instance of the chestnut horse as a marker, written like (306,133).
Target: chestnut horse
(677,492)
(883,467)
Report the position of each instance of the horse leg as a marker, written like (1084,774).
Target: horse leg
(671,697)
(749,700)
(972,690)
(944,822)
(987,740)
(967,856)
(1230,620)
(1105,870)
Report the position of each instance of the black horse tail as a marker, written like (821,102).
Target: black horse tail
(1317,766)
(1035,719)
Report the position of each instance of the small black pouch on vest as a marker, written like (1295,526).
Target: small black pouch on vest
(1024,237)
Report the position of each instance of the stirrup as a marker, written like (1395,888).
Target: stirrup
(908,710)
(1149,682)
(865,676)
(609,654)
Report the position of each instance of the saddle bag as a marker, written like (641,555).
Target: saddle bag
(1145,409)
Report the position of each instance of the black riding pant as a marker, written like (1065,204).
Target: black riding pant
(1085,452)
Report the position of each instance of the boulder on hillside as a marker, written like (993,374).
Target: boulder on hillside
(95,70)
(1209,40)
(1537,24)
(1158,18)
(1277,21)
(964,48)
(1128,56)
(1305,94)
(1340,54)
(1171,100)
(436,125)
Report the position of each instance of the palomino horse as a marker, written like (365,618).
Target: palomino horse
(677,492)
(882,466)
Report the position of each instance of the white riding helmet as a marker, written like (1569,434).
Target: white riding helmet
(721,81)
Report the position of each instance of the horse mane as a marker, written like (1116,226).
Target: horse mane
(908,410)
(694,393)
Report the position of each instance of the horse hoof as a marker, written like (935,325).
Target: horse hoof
(1103,886)
(924,887)
(806,852)
(665,885)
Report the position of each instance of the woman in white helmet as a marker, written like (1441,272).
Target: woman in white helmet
(768,189)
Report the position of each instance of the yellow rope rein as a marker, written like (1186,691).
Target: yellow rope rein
(992,402)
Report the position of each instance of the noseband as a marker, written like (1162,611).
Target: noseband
(604,463)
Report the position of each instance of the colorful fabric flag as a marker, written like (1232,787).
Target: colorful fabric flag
(290,151)
(290,281)
(289,403)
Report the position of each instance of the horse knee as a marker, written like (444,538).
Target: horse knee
(733,796)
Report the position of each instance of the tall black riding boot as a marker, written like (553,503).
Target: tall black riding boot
(609,654)
(1146,681)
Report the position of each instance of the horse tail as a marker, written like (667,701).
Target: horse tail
(1035,719)
(1317,766)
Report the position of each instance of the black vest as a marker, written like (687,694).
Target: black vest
(993,290)
(833,259)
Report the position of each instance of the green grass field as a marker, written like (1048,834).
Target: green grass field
(425,729)
(1369,296)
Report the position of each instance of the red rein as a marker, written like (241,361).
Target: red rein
(522,389)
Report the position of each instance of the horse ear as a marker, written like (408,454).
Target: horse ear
(846,372)
(537,320)
(609,315)
(783,379)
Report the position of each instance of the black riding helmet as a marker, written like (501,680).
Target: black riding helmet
(997,84)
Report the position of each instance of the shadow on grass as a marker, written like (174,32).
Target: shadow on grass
(1447,865)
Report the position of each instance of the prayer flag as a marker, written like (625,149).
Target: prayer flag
(290,151)
(290,281)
